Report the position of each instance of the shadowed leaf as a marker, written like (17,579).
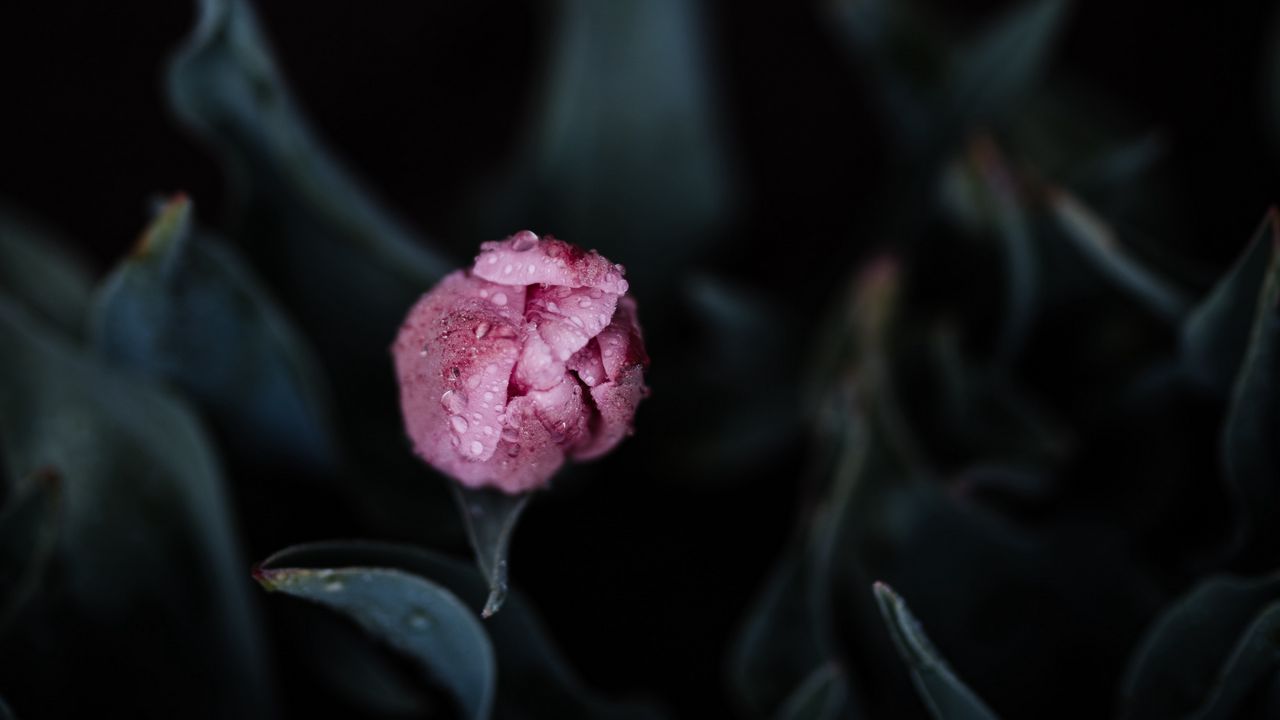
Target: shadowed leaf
(943,693)
(36,271)
(490,517)
(824,695)
(1254,660)
(186,310)
(411,614)
(28,533)
(533,675)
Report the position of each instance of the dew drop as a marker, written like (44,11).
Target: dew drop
(476,447)
(333,586)
(453,401)
(584,303)
(481,330)
(488,397)
(510,434)
(459,423)
(577,321)
(507,270)
(493,259)
(473,382)
(484,293)
(524,241)
(418,620)
(553,307)
(499,298)
(487,430)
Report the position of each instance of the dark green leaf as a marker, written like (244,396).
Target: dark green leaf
(36,271)
(1173,669)
(824,695)
(490,517)
(28,533)
(535,679)
(346,269)
(1095,240)
(1216,332)
(943,693)
(1006,61)
(627,152)
(144,505)
(409,613)
(185,309)
(1252,433)
(1254,661)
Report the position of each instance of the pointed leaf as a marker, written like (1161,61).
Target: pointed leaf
(490,517)
(185,309)
(37,271)
(1006,61)
(345,268)
(146,536)
(1173,669)
(1217,331)
(28,533)
(1255,660)
(534,675)
(943,693)
(411,614)
(1252,433)
(627,151)
(1097,242)
(824,695)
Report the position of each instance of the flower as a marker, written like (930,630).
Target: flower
(532,356)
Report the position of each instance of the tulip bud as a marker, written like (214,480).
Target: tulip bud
(532,356)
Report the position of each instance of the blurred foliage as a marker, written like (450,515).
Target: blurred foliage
(1019,414)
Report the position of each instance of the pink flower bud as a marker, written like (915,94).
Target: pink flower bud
(531,356)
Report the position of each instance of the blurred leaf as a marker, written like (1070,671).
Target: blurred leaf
(1095,239)
(28,533)
(490,517)
(1254,661)
(1005,62)
(534,679)
(777,648)
(144,506)
(5,712)
(185,309)
(943,693)
(413,615)
(1173,669)
(38,272)
(1252,432)
(345,268)
(824,695)
(1217,332)
(627,152)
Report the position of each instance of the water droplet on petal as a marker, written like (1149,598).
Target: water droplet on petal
(459,423)
(507,270)
(484,293)
(584,303)
(473,382)
(476,447)
(488,397)
(487,430)
(481,330)
(577,321)
(553,307)
(500,299)
(493,259)
(453,401)
(524,240)
(510,434)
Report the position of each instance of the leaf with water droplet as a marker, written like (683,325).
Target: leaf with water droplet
(39,273)
(1173,669)
(1216,333)
(944,694)
(28,531)
(144,504)
(186,310)
(490,517)
(535,678)
(411,614)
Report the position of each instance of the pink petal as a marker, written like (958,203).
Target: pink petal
(586,363)
(454,356)
(527,455)
(568,317)
(524,259)
(621,345)
(616,403)
(538,368)
(562,411)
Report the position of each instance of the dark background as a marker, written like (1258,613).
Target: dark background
(425,101)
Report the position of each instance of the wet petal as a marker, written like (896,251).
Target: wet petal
(586,363)
(526,259)
(454,356)
(538,368)
(621,345)
(616,403)
(562,411)
(568,317)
